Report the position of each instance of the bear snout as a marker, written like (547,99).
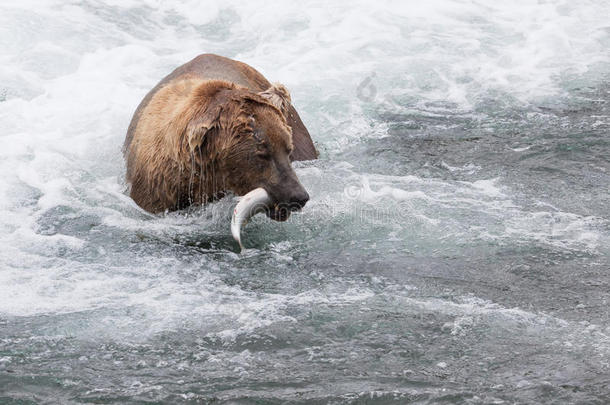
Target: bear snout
(289,202)
(299,199)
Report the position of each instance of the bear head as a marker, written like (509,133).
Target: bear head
(242,137)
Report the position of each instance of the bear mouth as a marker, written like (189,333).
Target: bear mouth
(279,212)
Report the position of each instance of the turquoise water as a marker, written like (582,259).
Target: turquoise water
(455,248)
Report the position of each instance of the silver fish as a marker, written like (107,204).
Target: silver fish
(249,205)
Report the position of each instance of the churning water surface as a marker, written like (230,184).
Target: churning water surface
(455,249)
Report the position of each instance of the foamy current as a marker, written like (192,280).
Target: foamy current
(455,248)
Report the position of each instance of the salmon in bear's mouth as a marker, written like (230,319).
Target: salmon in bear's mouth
(254,202)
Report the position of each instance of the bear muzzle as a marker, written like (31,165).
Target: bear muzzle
(290,198)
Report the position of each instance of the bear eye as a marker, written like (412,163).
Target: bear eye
(262,148)
(262,151)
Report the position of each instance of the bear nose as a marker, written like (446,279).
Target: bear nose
(299,199)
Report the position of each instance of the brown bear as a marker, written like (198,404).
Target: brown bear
(216,125)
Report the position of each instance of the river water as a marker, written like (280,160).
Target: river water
(456,248)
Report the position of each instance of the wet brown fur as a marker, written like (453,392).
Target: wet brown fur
(192,139)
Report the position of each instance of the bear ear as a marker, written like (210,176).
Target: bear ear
(199,126)
(213,96)
(278,96)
